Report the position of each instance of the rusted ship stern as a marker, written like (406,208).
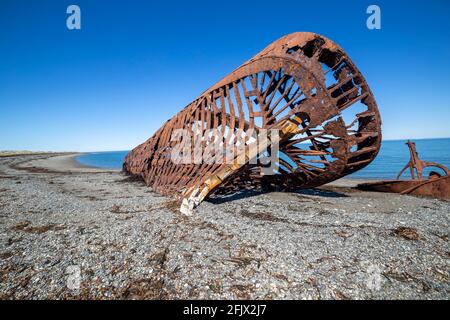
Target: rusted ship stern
(435,186)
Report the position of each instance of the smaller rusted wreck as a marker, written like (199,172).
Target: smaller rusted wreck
(436,185)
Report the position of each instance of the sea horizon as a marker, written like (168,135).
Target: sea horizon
(119,150)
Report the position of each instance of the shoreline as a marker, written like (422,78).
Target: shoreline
(64,163)
(69,163)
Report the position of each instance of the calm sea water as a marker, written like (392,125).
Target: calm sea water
(391,159)
(108,160)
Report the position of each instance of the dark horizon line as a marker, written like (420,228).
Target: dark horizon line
(24,150)
(413,139)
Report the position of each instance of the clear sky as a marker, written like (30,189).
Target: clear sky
(134,64)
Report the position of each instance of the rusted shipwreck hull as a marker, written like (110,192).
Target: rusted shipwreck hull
(436,186)
(303,85)
(439,188)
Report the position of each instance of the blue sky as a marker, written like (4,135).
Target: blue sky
(134,64)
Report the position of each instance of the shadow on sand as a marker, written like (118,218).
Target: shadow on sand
(223,198)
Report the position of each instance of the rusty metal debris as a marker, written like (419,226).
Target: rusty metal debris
(436,186)
(303,85)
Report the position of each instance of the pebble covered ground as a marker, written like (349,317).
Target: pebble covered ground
(101,235)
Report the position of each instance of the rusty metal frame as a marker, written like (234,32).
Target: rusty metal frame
(416,165)
(436,186)
(302,81)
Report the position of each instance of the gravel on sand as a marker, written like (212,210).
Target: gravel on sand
(70,232)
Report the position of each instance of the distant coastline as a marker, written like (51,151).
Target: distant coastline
(8,153)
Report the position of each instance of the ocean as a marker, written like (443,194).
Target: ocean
(393,156)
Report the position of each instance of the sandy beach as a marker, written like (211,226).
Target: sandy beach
(73,232)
